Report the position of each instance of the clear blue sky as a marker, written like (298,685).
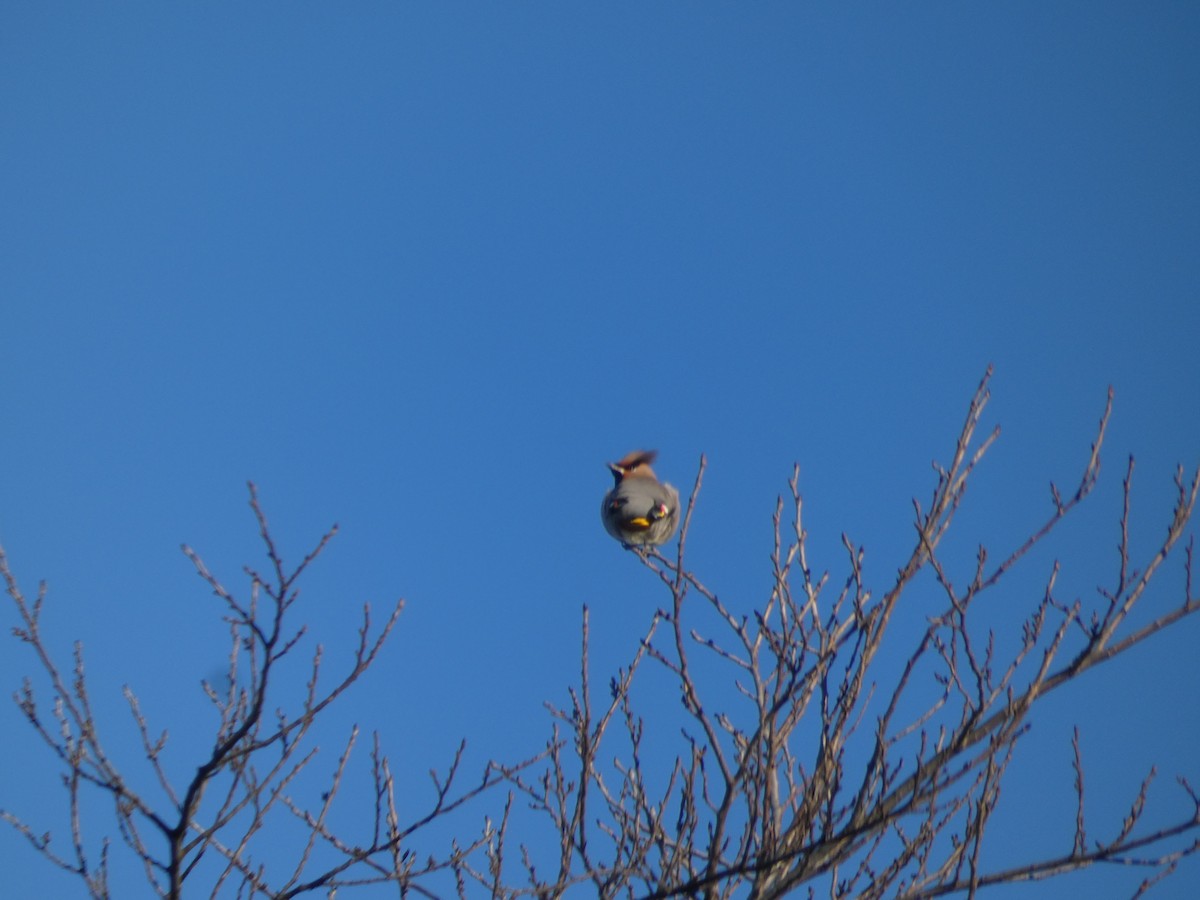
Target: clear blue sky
(421,269)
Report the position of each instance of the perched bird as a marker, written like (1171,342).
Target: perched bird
(640,509)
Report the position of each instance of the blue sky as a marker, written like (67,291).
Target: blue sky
(422,269)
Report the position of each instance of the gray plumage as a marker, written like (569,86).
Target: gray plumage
(639,510)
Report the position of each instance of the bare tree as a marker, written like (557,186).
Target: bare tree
(803,763)
(890,788)
(242,783)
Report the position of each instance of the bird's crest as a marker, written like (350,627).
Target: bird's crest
(636,462)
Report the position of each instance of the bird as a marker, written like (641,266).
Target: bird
(640,510)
